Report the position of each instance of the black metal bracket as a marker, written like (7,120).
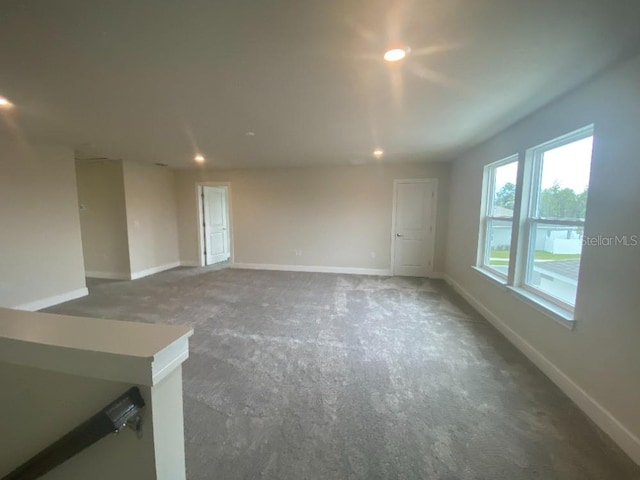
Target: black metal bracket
(122,412)
(135,424)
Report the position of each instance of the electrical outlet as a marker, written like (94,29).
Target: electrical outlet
(373,254)
(298,253)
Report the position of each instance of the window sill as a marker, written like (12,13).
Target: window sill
(551,310)
(491,276)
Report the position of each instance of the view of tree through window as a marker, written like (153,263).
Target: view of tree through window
(558,202)
(555,202)
(565,180)
(506,196)
(551,221)
(557,219)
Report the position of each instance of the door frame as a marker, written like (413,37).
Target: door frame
(199,206)
(434,210)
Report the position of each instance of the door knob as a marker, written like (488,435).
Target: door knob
(399,235)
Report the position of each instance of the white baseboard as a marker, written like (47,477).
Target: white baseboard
(314,269)
(627,441)
(151,271)
(51,301)
(107,275)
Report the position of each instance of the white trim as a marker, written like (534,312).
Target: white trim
(499,280)
(627,441)
(549,309)
(107,275)
(434,211)
(54,300)
(127,352)
(169,358)
(151,271)
(312,268)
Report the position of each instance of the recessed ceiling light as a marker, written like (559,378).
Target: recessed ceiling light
(250,134)
(199,158)
(395,54)
(378,153)
(4,103)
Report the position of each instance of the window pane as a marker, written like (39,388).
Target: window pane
(565,180)
(498,245)
(504,190)
(554,260)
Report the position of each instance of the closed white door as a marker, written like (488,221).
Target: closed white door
(216,224)
(414,229)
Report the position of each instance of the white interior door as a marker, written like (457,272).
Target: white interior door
(216,224)
(414,228)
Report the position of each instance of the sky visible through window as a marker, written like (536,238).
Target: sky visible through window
(506,174)
(569,165)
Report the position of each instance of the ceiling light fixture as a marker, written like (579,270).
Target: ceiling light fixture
(250,134)
(378,153)
(4,103)
(395,54)
(199,158)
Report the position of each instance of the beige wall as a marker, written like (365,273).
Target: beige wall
(40,243)
(337,216)
(151,217)
(103,218)
(601,356)
(63,402)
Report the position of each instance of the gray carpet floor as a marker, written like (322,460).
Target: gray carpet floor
(322,376)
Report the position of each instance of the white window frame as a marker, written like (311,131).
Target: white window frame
(486,217)
(524,222)
(531,218)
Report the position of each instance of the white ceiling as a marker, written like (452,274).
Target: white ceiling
(156,80)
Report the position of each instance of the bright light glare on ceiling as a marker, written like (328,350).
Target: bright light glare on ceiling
(4,103)
(199,158)
(378,153)
(395,54)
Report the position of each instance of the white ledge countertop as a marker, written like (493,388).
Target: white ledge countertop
(128,352)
